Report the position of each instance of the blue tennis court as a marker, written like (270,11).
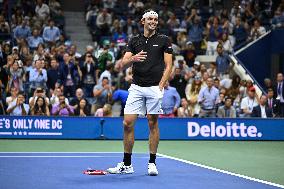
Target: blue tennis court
(64,170)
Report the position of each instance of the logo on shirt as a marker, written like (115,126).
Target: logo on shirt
(155,45)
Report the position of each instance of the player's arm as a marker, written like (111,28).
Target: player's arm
(168,59)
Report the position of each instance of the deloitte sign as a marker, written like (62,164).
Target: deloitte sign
(231,130)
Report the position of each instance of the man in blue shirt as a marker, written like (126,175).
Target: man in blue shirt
(120,95)
(171,101)
(222,63)
(51,33)
(38,76)
(34,40)
(214,33)
(208,98)
(22,32)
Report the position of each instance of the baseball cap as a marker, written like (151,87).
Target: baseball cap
(15,48)
(189,43)
(196,63)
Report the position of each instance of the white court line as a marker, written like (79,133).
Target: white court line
(146,157)
(63,153)
(222,171)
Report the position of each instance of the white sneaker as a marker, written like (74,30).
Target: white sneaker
(121,169)
(152,169)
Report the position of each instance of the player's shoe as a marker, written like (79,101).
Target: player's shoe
(152,169)
(121,169)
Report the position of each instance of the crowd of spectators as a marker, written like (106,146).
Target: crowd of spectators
(42,73)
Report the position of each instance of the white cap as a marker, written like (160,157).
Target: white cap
(196,63)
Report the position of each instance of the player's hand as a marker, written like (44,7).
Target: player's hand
(140,57)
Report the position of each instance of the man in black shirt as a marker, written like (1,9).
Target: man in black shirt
(150,55)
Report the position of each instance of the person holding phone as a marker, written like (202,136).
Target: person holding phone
(18,107)
(62,109)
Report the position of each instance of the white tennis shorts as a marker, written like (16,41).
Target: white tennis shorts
(144,100)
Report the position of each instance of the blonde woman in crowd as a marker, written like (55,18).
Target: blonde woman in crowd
(191,92)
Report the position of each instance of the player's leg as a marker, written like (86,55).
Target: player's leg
(128,139)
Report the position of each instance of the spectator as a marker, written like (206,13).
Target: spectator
(104,58)
(267,84)
(34,40)
(76,100)
(105,111)
(18,107)
(102,93)
(135,7)
(208,98)
(40,108)
(278,19)
(272,103)
(4,26)
(51,33)
(39,92)
(227,111)
(54,99)
(221,101)
(89,74)
(2,104)
(227,43)
(82,109)
(14,94)
(103,22)
(121,96)
(189,54)
(184,110)
(214,32)
(239,32)
(62,109)
(262,110)
(192,90)
(42,10)
(39,53)
(195,31)
(179,82)
(22,32)
(212,70)
(279,88)
(107,73)
(37,76)
(223,63)
(257,30)
(16,73)
(170,102)
(248,103)
(67,75)
(53,74)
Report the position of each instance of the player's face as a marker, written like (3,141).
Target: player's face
(151,23)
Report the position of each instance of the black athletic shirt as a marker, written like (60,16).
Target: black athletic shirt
(150,71)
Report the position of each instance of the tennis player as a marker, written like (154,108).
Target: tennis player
(150,55)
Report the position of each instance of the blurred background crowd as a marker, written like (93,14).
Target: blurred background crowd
(43,73)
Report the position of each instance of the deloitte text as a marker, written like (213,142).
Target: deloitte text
(228,130)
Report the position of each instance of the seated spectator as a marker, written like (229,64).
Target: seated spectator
(212,70)
(39,53)
(278,19)
(208,98)
(40,108)
(184,110)
(22,32)
(89,74)
(42,10)
(267,84)
(107,73)
(248,103)
(51,33)
(14,94)
(76,100)
(192,90)
(105,111)
(18,107)
(119,36)
(221,100)
(170,102)
(227,43)
(103,22)
(189,54)
(62,109)
(262,110)
(102,93)
(4,26)
(272,103)
(257,30)
(39,92)
(34,40)
(38,76)
(82,109)
(227,110)
(54,99)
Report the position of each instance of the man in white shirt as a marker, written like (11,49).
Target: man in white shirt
(42,10)
(248,103)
